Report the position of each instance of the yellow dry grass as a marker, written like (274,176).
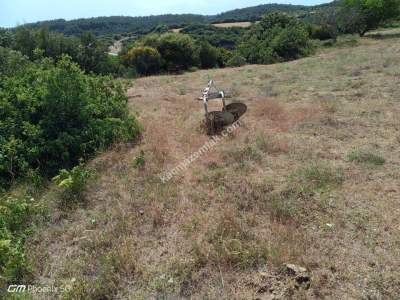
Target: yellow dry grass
(233,24)
(278,190)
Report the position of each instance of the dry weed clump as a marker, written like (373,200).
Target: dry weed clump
(229,243)
(271,110)
(272,144)
(157,135)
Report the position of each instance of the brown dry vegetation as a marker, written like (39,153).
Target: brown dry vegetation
(233,24)
(223,25)
(281,189)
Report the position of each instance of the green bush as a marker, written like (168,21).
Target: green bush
(362,16)
(73,182)
(208,55)
(87,50)
(178,51)
(6,38)
(146,60)
(52,115)
(224,56)
(139,161)
(324,32)
(16,214)
(11,62)
(236,61)
(278,37)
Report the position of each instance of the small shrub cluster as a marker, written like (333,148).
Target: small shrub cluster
(52,115)
(16,214)
(146,60)
(139,161)
(73,182)
(278,37)
(86,50)
(170,52)
(236,61)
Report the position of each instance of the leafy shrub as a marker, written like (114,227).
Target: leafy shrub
(365,157)
(208,55)
(224,56)
(88,51)
(146,60)
(139,161)
(73,182)
(236,61)
(16,214)
(178,51)
(362,16)
(324,32)
(6,38)
(11,62)
(278,37)
(226,38)
(51,115)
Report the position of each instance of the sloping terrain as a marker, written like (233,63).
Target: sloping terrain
(142,25)
(310,178)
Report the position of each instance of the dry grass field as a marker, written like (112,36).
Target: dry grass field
(311,178)
(234,24)
(223,25)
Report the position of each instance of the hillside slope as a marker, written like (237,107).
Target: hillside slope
(145,24)
(310,178)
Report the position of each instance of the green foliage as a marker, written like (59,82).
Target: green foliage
(362,16)
(118,24)
(224,56)
(278,37)
(6,38)
(88,51)
(208,55)
(16,214)
(218,37)
(324,32)
(255,13)
(146,60)
(73,182)
(139,161)
(11,62)
(236,61)
(51,115)
(92,55)
(365,157)
(144,25)
(178,51)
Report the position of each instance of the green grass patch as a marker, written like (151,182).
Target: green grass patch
(17,213)
(297,199)
(366,157)
(315,178)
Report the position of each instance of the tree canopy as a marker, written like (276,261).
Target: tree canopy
(366,15)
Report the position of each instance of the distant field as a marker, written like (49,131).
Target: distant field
(236,24)
(223,25)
